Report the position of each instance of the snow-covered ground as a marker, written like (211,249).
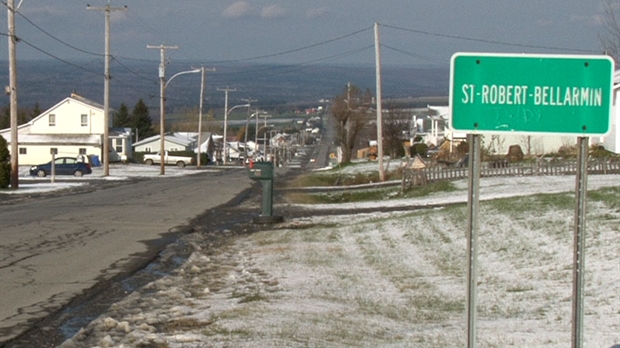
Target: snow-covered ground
(390,279)
(31,184)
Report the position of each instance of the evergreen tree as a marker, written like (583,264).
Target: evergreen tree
(122,117)
(141,120)
(36,111)
(5,165)
(5,118)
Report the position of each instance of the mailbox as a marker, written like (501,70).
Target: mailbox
(261,170)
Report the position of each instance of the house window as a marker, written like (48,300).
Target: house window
(119,145)
(148,149)
(22,151)
(82,151)
(173,149)
(54,151)
(84,120)
(52,120)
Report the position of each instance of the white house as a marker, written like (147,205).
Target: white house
(611,142)
(181,141)
(73,127)
(208,145)
(172,142)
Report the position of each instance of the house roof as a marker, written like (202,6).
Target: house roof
(86,101)
(174,138)
(120,132)
(442,111)
(74,97)
(59,139)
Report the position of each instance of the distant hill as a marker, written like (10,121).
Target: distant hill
(274,86)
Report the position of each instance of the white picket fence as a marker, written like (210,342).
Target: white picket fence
(418,177)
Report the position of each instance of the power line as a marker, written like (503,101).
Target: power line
(57,39)
(494,42)
(284,69)
(133,72)
(419,56)
(295,49)
(58,58)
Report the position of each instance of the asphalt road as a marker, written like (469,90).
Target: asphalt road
(54,248)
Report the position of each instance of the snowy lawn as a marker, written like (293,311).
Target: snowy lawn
(390,279)
(31,184)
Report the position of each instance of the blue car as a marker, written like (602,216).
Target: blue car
(62,166)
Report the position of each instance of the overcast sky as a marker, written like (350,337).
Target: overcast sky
(306,31)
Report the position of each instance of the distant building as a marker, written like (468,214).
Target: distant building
(172,142)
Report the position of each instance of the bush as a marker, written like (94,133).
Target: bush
(597,151)
(421,149)
(5,165)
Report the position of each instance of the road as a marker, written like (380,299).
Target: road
(54,248)
(320,153)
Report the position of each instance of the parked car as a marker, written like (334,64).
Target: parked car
(62,166)
(179,161)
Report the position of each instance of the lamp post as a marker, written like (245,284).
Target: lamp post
(245,145)
(259,113)
(271,143)
(226,113)
(163,114)
(265,138)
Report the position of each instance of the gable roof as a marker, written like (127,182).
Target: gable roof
(174,138)
(74,97)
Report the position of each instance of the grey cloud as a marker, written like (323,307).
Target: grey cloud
(237,10)
(273,11)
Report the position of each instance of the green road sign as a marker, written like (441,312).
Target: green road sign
(491,93)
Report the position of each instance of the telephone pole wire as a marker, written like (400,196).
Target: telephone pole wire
(162,100)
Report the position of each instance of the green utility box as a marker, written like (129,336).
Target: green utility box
(263,172)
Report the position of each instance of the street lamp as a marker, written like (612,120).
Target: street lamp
(265,137)
(163,114)
(246,130)
(226,113)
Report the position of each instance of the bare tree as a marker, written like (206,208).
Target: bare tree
(610,37)
(396,122)
(350,114)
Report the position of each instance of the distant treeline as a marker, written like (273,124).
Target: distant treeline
(47,82)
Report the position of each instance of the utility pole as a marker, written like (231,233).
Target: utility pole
(106,87)
(245,144)
(13,94)
(226,90)
(379,104)
(162,101)
(202,89)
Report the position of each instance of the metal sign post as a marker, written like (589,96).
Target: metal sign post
(472,234)
(579,244)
